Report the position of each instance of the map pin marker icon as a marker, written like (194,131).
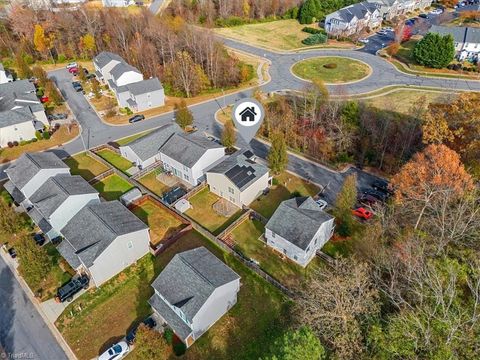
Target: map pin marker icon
(248,115)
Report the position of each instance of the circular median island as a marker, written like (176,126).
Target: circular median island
(331,69)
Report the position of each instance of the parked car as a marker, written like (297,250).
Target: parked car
(387,28)
(73,70)
(149,322)
(362,213)
(423,16)
(117,351)
(322,204)
(367,200)
(60,116)
(66,292)
(44,99)
(376,194)
(173,195)
(436,11)
(39,239)
(410,22)
(72,65)
(77,86)
(364,41)
(12,253)
(136,118)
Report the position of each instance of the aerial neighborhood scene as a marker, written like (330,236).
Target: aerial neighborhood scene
(239,179)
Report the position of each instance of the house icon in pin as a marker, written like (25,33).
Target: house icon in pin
(248,114)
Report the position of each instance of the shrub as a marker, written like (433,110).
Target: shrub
(315,39)
(23,142)
(275,181)
(15,143)
(61,58)
(434,50)
(312,30)
(179,348)
(28,59)
(168,335)
(129,112)
(10,144)
(38,135)
(457,67)
(57,126)
(34,140)
(330,66)
(295,194)
(46,135)
(110,113)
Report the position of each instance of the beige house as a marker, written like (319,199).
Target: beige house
(238,179)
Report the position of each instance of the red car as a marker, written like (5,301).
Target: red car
(73,70)
(362,213)
(44,99)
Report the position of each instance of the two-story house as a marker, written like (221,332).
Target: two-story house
(193,291)
(188,156)
(353,19)
(103,239)
(466,40)
(238,178)
(299,228)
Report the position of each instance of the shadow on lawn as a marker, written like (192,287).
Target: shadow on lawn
(75,169)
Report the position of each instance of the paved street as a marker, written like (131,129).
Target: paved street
(23,333)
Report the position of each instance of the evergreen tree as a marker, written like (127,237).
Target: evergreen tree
(184,116)
(229,136)
(308,12)
(435,50)
(277,157)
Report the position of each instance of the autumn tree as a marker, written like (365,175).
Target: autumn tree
(96,88)
(81,74)
(183,116)
(150,344)
(229,135)
(34,261)
(185,75)
(40,74)
(337,304)
(88,44)
(23,70)
(41,41)
(277,156)
(11,222)
(430,174)
(297,344)
(52,92)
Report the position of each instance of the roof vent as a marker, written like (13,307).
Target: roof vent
(249,173)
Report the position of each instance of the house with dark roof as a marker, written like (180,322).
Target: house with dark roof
(145,150)
(188,156)
(127,83)
(194,291)
(299,228)
(30,171)
(353,19)
(103,239)
(466,40)
(238,178)
(58,200)
(21,113)
(5,75)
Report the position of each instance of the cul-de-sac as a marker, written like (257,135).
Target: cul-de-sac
(239,179)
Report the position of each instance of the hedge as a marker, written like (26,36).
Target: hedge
(315,39)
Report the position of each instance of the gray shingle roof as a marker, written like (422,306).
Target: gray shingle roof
(148,146)
(240,170)
(19,93)
(56,190)
(297,220)
(17,116)
(187,149)
(458,32)
(190,278)
(359,11)
(16,194)
(38,219)
(145,86)
(105,57)
(29,164)
(473,35)
(121,68)
(96,226)
(68,253)
(173,320)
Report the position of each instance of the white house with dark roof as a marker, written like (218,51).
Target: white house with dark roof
(127,83)
(5,76)
(238,178)
(466,40)
(30,171)
(145,150)
(194,291)
(188,156)
(353,19)
(117,3)
(21,113)
(103,239)
(59,199)
(299,228)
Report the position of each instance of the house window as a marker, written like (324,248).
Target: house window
(185,168)
(316,240)
(15,128)
(230,190)
(308,249)
(130,245)
(285,251)
(273,234)
(295,257)
(232,199)
(186,177)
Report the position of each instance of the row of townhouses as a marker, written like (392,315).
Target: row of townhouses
(97,238)
(467,40)
(127,83)
(365,15)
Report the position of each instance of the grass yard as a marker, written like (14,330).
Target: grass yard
(276,35)
(115,159)
(85,166)
(151,183)
(203,213)
(345,70)
(61,136)
(246,238)
(288,186)
(161,222)
(129,139)
(112,187)
(99,318)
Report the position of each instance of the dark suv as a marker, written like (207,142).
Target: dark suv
(136,118)
(66,292)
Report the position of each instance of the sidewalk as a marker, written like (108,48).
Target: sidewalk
(13,264)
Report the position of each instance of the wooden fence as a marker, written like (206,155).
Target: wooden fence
(146,170)
(102,176)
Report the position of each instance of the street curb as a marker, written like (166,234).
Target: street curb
(53,329)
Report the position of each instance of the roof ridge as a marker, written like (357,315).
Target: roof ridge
(195,270)
(90,208)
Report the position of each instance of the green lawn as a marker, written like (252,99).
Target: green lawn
(112,187)
(129,139)
(246,238)
(85,166)
(161,222)
(288,186)
(203,213)
(101,317)
(346,69)
(115,159)
(151,183)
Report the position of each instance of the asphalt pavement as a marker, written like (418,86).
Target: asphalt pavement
(23,333)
